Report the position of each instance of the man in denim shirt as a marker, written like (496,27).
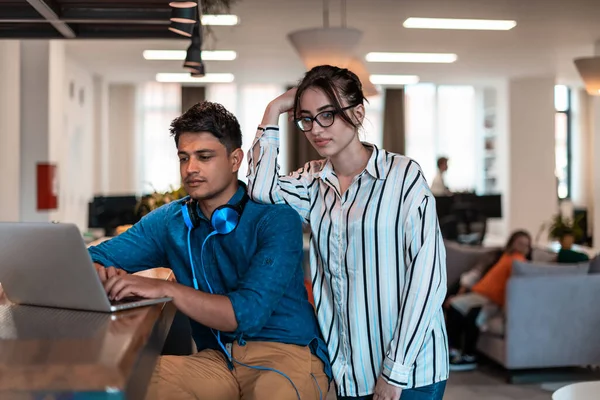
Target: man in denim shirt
(251,308)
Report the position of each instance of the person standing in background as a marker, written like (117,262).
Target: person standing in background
(438,186)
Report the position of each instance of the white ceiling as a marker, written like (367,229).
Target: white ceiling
(549,34)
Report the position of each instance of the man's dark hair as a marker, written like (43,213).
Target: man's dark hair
(209,117)
(441,160)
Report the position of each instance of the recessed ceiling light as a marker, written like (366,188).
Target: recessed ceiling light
(411,57)
(220,19)
(186,78)
(181,28)
(183,4)
(207,55)
(451,23)
(394,79)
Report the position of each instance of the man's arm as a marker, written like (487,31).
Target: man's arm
(140,247)
(214,311)
(247,309)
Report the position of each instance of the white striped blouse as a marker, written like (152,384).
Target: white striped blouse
(378,264)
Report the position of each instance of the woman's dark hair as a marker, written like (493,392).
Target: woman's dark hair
(514,236)
(209,117)
(337,83)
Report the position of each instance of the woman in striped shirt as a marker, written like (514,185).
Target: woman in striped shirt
(377,257)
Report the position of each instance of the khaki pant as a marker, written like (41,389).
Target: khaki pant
(206,376)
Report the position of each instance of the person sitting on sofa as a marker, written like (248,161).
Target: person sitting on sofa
(566,255)
(470,277)
(467,312)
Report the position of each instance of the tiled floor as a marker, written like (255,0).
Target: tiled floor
(482,384)
(489,385)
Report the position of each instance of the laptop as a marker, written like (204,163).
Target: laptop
(47,264)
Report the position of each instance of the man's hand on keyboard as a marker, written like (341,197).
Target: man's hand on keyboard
(121,286)
(105,273)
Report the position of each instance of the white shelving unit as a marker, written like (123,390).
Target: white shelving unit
(490,142)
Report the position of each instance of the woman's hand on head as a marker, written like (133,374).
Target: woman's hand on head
(279,105)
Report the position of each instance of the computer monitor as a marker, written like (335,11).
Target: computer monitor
(109,212)
(443,205)
(490,205)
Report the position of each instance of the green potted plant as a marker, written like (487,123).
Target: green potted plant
(154,200)
(560,226)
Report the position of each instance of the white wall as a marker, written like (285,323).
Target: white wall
(35,97)
(72,146)
(51,123)
(122,171)
(532,183)
(57,65)
(48,114)
(100,153)
(10,133)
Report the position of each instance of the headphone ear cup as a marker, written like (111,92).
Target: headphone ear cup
(225,219)
(193,208)
(190,217)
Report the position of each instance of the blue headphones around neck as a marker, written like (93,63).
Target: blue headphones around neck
(224,219)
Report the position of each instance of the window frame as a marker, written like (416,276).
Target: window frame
(568,115)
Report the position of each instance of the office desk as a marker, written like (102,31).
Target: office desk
(48,353)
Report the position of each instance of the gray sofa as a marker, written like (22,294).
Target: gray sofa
(550,320)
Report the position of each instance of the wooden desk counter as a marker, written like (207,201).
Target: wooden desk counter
(48,353)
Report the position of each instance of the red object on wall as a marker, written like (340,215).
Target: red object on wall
(47,186)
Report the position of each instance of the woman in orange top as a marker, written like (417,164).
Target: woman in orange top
(490,291)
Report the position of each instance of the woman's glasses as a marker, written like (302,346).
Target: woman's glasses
(325,119)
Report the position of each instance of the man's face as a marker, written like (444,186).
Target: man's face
(206,168)
(567,241)
(444,166)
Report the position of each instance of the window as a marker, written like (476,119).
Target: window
(562,140)
(440,121)
(372,130)
(159,104)
(420,109)
(254,99)
(456,135)
(248,102)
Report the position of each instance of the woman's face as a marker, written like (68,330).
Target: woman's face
(522,245)
(329,141)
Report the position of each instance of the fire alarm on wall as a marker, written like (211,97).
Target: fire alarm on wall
(47,186)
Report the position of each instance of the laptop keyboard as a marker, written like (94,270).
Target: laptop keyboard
(127,300)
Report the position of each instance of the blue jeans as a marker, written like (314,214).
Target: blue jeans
(429,392)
